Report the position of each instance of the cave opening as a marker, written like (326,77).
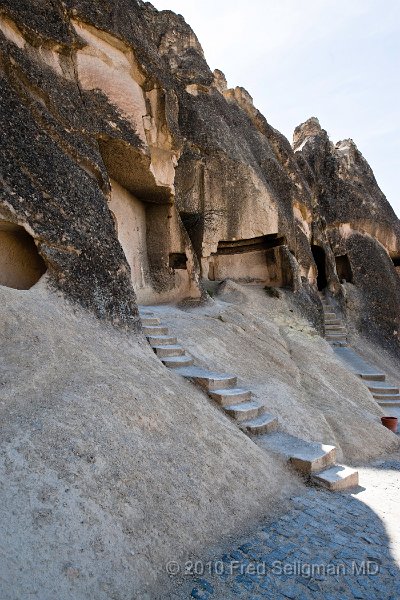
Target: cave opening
(343,268)
(178,260)
(147,225)
(142,230)
(151,240)
(320,260)
(21,265)
(255,260)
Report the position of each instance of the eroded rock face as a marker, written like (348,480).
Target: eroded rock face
(356,226)
(137,171)
(344,185)
(79,109)
(237,178)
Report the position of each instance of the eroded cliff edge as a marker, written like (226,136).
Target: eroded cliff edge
(132,174)
(138,173)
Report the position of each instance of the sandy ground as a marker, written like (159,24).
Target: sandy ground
(108,461)
(110,464)
(381,494)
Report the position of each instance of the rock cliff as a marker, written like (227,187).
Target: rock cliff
(139,175)
(356,227)
(132,175)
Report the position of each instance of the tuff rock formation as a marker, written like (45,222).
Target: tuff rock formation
(357,230)
(133,175)
(137,174)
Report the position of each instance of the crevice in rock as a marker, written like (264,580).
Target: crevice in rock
(264,242)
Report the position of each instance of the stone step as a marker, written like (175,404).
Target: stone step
(336,337)
(333,322)
(170,350)
(161,340)
(230,396)
(359,366)
(306,457)
(155,330)
(209,380)
(336,478)
(330,315)
(388,400)
(340,333)
(389,396)
(370,376)
(266,423)
(145,313)
(146,321)
(245,411)
(176,362)
(335,328)
(374,388)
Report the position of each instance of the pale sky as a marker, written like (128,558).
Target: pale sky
(338,60)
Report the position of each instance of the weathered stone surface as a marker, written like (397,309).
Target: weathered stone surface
(130,169)
(236,179)
(353,220)
(137,171)
(78,109)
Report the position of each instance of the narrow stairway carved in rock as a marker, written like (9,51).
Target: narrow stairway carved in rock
(336,334)
(386,394)
(315,461)
(335,330)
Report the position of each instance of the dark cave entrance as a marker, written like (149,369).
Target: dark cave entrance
(343,268)
(320,260)
(396,261)
(21,265)
(178,260)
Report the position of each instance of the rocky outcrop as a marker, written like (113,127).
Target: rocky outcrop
(136,173)
(357,228)
(236,180)
(132,174)
(80,109)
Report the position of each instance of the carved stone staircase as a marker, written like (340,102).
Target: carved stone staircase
(315,461)
(336,334)
(384,393)
(335,330)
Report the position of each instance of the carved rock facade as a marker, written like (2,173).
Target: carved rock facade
(133,173)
